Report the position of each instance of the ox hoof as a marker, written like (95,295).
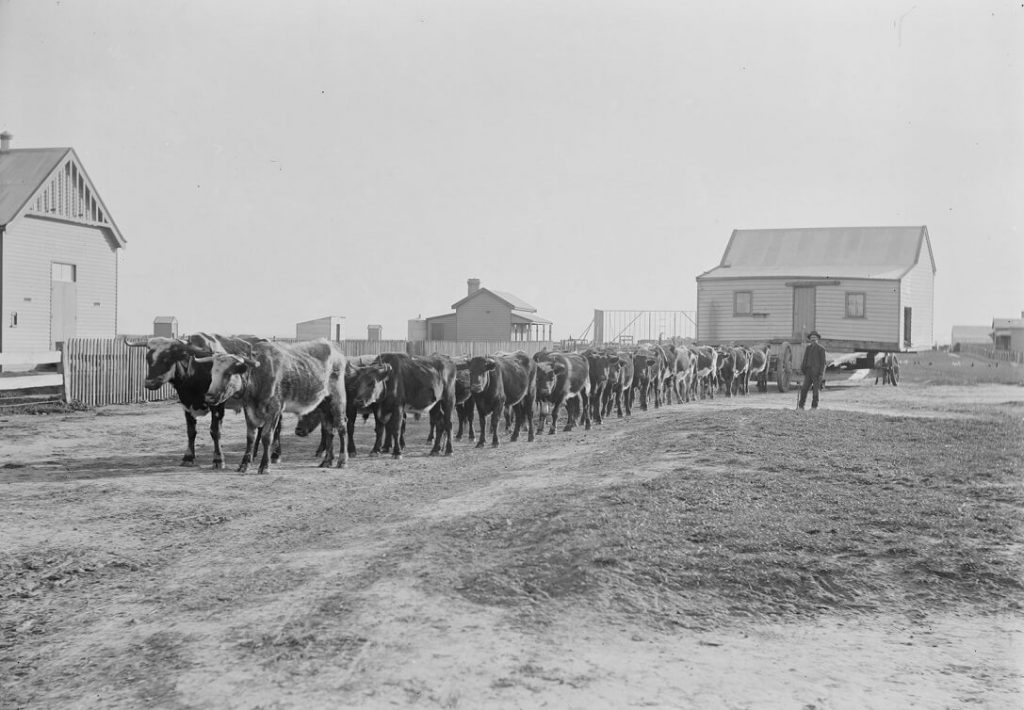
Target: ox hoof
(218,466)
(325,464)
(261,472)
(480,445)
(396,457)
(188,462)
(243,468)
(435,453)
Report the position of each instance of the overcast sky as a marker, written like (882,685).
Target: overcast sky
(273,162)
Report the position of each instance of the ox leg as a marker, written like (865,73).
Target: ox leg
(528,415)
(189,459)
(396,430)
(267,440)
(499,411)
(251,429)
(275,454)
(554,417)
(378,431)
(350,429)
(216,420)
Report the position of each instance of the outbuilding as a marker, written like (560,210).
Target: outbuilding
(861,288)
(485,314)
(58,251)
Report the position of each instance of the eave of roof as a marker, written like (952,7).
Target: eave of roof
(518,317)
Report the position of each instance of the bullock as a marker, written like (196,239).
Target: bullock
(397,383)
(175,361)
(620,384)
(463,403)
(278,378)
(308,423)
(705,371)
(599,365)
(681,368)
(644,374)
(757,367)
(740,370)
(503,381)
(563,378)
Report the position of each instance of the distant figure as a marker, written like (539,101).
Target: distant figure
(813,367)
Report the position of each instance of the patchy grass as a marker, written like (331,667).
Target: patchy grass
(941,368)
(839,512)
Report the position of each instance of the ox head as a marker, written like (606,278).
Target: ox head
(226,372)
(369,385)
(166,359)
(548,373)
(480,369)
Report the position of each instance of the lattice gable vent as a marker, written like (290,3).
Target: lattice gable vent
(69,195)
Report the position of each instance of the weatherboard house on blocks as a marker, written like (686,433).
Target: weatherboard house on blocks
(484,314)
(861,288)
(58,251)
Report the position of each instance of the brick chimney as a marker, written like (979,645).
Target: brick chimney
(474,286)
(5,141)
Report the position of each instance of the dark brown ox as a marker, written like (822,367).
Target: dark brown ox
(278,378)
(563,378)
(503,381)
(173,361)
(397,383)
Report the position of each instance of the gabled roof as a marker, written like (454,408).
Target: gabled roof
(851,252)
(514,302)
(1007,323)
(51,182)
(971,334)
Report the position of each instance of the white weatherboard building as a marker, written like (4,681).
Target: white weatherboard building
(861,288)
(58,251)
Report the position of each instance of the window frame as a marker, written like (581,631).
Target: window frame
(863,305)
(54,269)
(736,312)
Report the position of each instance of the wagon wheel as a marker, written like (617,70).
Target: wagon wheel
(894,373)
(784,367)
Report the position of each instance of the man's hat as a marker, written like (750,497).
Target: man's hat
(814,334)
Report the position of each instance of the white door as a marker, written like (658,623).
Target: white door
(63,302)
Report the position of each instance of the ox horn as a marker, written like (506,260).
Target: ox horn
(208,358)
(135,343)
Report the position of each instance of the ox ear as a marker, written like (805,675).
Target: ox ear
(136,343)
(490,364)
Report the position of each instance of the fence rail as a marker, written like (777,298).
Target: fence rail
(993,354)
(98,372)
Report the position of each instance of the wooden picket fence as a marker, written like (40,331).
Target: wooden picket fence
(98,372)
(101,371)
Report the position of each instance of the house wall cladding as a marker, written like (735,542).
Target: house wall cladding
(30,246)
(483,318)
(717,324)
(917,291)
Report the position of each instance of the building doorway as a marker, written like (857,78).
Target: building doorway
(63,302)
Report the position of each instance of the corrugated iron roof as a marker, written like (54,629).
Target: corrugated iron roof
(22,171)
(971,334)
(851,252)
(514,302)
(529,318)
(1007,323)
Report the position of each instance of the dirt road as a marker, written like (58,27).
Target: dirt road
(128,581)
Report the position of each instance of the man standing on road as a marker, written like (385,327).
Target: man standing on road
(813,367)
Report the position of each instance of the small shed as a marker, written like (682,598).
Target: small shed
(165,327)
(485,314)
(1008,333)
(330,327)
(58,251)
(861,288)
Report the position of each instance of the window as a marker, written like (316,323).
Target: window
(855,304)
(742,303)
(63,272)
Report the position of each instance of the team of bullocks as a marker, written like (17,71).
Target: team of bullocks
(315,380)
